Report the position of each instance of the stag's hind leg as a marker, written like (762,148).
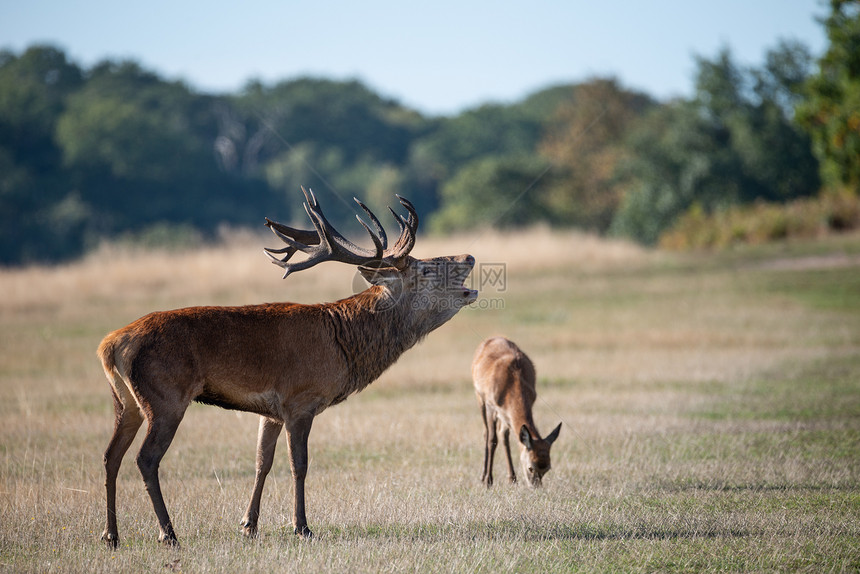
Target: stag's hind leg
(159,435)
(267,439)
(127,421)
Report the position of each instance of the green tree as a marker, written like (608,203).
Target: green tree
(734,143)
(140,151)
(492,192)
(488,130)
(330,114)
(776,153)
(130,123)
(831,112)
(749,114)
(338,138)
(674,163)
(586,146)
(493,132)
(39,214)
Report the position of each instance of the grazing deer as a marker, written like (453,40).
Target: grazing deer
(286,362)
(504,379)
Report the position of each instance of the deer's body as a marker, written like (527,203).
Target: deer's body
(504,379)
(284,361)
(253,358)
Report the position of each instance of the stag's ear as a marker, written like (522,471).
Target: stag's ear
(526,438)
(553,435)
(386,276)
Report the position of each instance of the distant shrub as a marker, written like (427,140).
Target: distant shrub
(762,222)
(163,236)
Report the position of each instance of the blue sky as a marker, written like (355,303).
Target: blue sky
(439,57)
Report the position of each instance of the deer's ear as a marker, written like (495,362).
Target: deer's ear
(553,435)
(525,437)
(380,275)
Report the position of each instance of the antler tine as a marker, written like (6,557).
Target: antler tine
(298,235)
(379,229)
(378,242)
(345,247)
(408,228)
(292,247)
(310,198)
(295,243)
(324,243)
(413,214)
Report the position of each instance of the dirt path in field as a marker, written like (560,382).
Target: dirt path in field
(812,262)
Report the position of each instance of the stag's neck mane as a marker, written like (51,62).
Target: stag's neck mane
(372,330)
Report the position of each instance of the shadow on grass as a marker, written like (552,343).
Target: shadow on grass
(764,487)
(527,531)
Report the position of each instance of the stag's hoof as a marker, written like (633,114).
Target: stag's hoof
(248,529)
(304,532)
(168,540)
(111,539)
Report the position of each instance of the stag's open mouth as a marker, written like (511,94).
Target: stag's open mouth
(466,297)
(472,297)
(469,295)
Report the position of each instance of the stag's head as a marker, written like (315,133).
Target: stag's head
(534,455)
(428,291)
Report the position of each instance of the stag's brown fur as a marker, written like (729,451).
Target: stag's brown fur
(504,379)
(286,362)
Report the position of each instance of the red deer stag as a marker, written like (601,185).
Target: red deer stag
(286,362)
(504,380)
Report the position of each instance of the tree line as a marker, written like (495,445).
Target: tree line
(117,151)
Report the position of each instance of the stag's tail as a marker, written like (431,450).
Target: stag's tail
(107,352)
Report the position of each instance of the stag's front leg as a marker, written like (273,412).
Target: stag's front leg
(267,439)
(298,433)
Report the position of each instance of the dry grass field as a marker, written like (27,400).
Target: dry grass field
(711,410)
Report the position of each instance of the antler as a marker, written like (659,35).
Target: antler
(324,243)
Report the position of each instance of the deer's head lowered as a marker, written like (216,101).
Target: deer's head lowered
(534,456)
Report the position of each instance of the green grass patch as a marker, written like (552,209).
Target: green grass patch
(827,390)
(827,289)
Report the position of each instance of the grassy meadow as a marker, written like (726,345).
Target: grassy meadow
(711,410)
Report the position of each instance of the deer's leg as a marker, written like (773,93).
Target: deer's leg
(267,439)
(159,435)
(511,474)
(486,441)
(128,419)
(491,442)
(297,433)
